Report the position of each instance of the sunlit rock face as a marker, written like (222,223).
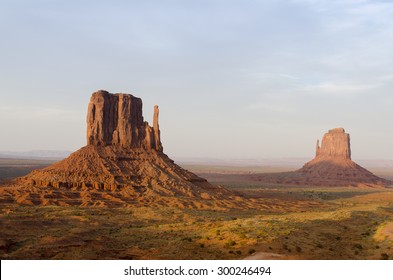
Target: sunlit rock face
(116,119)
(331,167)
(333,164)
(335,145)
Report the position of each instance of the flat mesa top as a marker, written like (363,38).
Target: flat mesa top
(104,92)
(337,130)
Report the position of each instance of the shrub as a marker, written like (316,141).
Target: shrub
(358,246)
(230,243)
(251,251)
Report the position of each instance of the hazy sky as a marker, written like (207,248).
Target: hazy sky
(233,79)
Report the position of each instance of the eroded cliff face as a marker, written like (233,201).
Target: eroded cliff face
(122,165)
(116,119)
(335,145)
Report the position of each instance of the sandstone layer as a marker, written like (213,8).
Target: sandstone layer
(332,166)
(123,164)
(335,145)
(116,119)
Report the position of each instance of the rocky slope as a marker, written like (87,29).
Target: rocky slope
(332,166)
(123,164)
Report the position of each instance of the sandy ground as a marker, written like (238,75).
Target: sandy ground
(265,256)
(389,231)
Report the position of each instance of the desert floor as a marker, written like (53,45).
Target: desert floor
(293,222)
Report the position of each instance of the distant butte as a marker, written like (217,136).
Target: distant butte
(123,164)
(332,166)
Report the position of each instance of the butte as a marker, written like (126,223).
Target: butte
(332,166)
(123,164)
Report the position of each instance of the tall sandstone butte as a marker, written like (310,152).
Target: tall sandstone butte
(335,145)
(116,119)
(332,166)
(122,164)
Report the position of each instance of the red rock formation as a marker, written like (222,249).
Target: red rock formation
(123,164)
(332,166)
(335,144)
(156,129)
(116,119)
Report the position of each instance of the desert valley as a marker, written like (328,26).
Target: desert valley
(122,197)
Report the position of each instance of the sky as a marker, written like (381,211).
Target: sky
(233,79)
